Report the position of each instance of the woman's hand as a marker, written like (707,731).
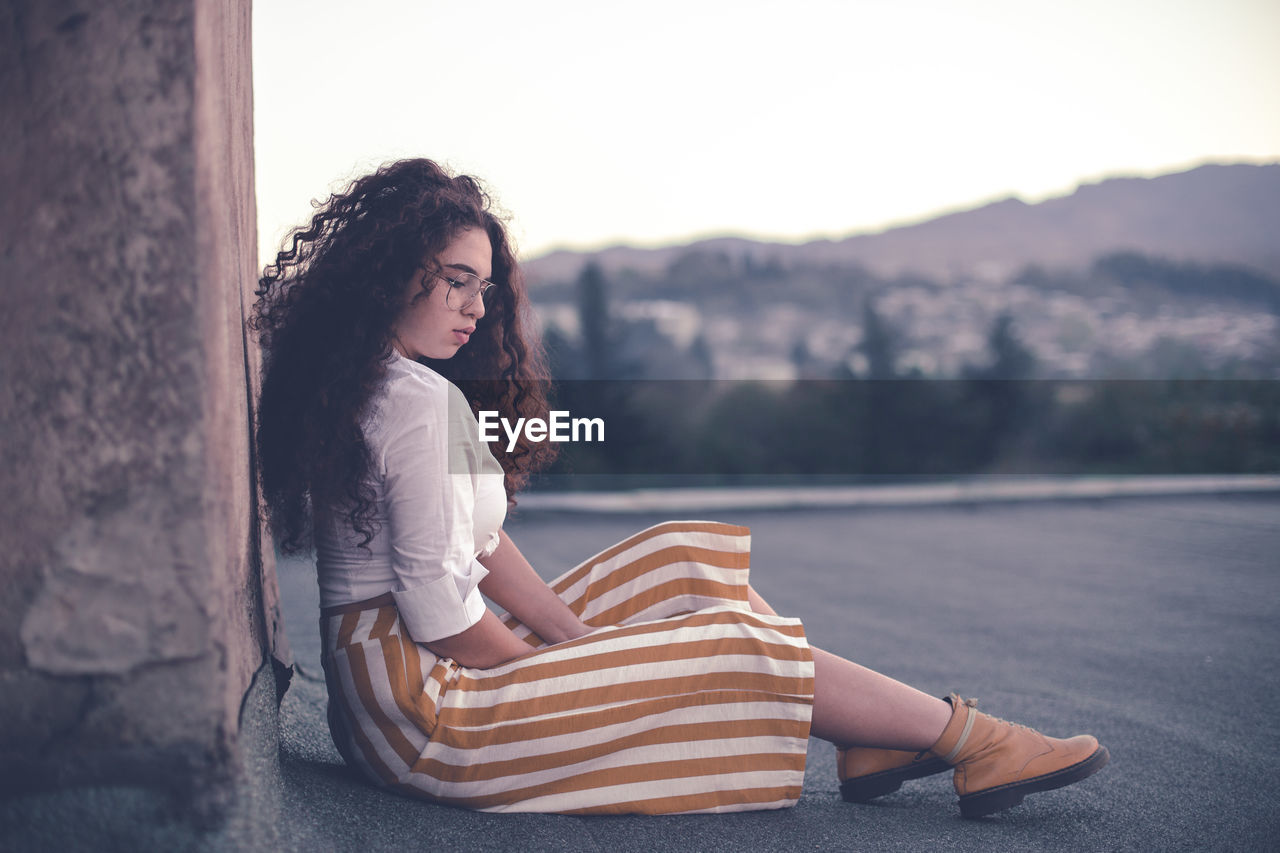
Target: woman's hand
(580,630)
(515,586)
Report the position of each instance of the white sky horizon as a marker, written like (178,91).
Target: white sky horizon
(596,126)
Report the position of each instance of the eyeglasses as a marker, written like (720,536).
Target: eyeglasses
(464,289)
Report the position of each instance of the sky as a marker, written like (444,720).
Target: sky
(662,122)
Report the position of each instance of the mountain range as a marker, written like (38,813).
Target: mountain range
(1212,214)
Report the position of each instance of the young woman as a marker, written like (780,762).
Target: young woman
(649,679)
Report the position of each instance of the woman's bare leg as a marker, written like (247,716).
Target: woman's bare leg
(758,604)
(856,706)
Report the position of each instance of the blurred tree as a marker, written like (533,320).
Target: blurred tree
(704,363)
(561,354)
(803,360)
(1011,359)
(595,323)
(881,425)
(880,343)
(1000,396)
(1168,427)
(598,380)
(1134,270)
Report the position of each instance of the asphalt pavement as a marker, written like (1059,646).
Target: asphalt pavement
(1153,623)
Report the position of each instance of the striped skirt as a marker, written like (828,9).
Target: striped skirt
(682,699)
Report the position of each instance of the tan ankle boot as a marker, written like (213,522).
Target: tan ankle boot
(866,773)
(998,763)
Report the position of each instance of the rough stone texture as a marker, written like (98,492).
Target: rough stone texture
(129,817)
(137,603)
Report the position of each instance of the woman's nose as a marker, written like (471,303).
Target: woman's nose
(476,309)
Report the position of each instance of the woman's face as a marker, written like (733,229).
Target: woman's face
(427,326)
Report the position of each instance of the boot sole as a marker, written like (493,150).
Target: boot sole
(1007,796)
(868,787)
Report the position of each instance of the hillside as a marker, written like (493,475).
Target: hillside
(1209,214)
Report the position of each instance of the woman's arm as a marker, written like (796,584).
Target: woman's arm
(515,586)
(486,643)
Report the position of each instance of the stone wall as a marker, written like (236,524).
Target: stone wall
(137,603)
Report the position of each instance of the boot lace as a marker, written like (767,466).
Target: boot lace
(973,703)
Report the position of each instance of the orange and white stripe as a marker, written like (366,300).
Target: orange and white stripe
(682,700)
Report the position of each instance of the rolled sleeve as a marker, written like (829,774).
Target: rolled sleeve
(440,608)
(430,526)
(491,545)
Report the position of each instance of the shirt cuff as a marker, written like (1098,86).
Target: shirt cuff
(437,610)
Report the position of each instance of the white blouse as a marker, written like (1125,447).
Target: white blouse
(439,505)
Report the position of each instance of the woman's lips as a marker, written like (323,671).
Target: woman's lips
(463,335)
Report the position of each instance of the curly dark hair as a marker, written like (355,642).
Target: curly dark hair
(324,315)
